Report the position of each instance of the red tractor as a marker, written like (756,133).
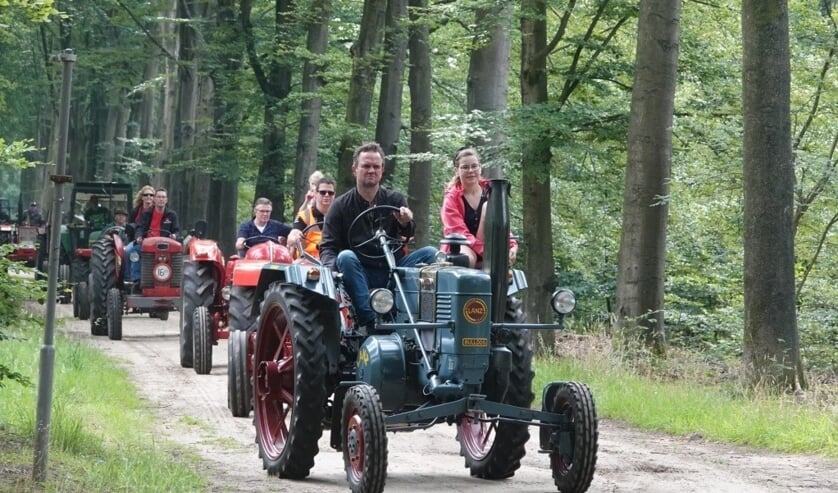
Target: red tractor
(111,296)
(217,297)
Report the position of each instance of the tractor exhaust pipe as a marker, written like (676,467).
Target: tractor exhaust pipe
(496,240)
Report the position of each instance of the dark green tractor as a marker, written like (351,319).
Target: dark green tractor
(88,212)
(451,345)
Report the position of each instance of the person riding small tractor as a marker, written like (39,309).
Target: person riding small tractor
(157,292)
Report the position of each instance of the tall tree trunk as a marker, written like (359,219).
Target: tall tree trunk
(223,188)
(640,271)
(389,122)
(365,53)
(421,112)
(488,82)
(771,342)
(274,80)
(168,122)
(308,137)
(536,165)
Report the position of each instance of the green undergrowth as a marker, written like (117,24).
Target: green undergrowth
(101,434)
(686,395)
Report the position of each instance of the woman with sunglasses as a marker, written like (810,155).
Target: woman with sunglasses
(143,201)
(312,215)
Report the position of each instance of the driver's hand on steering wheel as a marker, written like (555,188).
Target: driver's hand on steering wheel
(240,244)
(404,216)
(294,237)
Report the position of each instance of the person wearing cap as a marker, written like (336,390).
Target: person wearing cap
(120,220)
(32,217)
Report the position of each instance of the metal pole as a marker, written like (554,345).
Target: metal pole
(47,368)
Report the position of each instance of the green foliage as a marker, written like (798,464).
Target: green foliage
(13,154)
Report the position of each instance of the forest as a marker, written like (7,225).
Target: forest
(225,101)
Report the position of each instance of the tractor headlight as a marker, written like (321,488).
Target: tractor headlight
(381,301)
(225,292)
(440,257)
(134,256)
(563,301)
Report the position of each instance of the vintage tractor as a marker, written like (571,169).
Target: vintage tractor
(450,345)
(203,306)
(77,236)
(111,295)
(24,239)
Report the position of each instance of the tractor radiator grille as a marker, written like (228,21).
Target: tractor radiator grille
(443,307)
(147,270)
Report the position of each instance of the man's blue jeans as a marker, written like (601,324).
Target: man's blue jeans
(359,279)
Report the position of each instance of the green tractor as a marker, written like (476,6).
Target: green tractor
(90,211)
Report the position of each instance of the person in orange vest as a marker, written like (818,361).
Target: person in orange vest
(312,215)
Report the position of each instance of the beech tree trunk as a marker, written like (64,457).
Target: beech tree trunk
(640,270)
(771,340)
(421,112)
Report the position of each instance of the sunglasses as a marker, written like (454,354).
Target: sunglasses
(325,192)
(148,195)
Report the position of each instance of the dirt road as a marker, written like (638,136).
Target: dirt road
(193,412)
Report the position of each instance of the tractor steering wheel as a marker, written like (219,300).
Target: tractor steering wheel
(376,217)
(248,244)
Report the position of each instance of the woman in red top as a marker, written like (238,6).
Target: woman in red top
(463,207)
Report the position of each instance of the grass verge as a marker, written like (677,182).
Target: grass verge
(688,396)
(101,434)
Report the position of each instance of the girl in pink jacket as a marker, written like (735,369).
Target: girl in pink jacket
(463,207)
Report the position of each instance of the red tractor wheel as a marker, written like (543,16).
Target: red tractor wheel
(239,386)
(202,340)
(241,302)
(289,388)
(364,440)
(573,469)
(494,450)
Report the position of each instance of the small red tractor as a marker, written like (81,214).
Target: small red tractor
(215,295)
(451,345)
(111,295)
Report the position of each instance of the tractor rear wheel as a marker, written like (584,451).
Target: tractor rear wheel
(242,299)
(494,450)
(102,279)
(114,314)
(289,380)
(239,385)
(202,340)
(574,470)
(82,298)
(364,440)
(198,290)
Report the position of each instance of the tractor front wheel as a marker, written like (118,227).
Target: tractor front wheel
(494,450)
(114,314)
(364,440)
(202,340)
(289,380)
(82,298)
(198,290)
(239,386)
(573,469)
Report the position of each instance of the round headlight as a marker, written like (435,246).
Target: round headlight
(381,301)
(440,257)
(134,256)
(563,301)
